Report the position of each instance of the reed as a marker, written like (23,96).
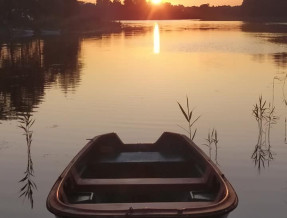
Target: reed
(212,138)
(259,112)
(285,134)
(265,117)
(271,119)
(189,117)
(209,142)
(215,140)
(26,122)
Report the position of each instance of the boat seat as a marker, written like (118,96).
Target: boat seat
(140,157)
(140,165)
(85,184)
(141,181)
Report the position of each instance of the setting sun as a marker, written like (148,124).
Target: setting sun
(156,1)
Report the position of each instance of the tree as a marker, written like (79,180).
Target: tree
(103,3)
(265,8)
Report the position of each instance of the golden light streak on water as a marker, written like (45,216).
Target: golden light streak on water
(156,39)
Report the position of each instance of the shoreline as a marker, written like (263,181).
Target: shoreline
(116,26)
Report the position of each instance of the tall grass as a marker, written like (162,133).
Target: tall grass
(189,117)
(212,138)
(26,191)
(265,117)
(281,79)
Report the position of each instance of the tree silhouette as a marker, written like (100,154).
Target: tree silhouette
(265,8)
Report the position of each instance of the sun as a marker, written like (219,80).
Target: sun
(156,1)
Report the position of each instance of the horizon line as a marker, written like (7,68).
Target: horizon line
(167,1)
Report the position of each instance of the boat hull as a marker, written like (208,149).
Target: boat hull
(178,216)
(167,179)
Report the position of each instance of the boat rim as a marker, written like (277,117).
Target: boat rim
(187,210)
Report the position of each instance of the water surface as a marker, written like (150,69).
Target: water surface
(129,83)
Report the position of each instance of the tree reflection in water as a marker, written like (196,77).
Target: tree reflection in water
(265,117)
(28,67)
(26,122)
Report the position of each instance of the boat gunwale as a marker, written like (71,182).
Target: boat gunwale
(57,206)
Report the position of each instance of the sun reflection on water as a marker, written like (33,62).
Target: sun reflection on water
(156,39)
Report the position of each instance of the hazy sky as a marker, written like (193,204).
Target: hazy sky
(197,2)
(200,2)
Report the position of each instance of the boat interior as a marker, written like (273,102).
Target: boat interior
(169,170)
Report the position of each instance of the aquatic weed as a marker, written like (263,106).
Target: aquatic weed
(188,115)
(26,122)
(212,138)
(265,117)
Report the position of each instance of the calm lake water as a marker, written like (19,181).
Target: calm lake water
(129,83)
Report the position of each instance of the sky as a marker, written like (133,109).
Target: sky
(197,2)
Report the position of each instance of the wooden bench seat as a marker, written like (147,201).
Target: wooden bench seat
(140,157)
(84,184)
(139,182)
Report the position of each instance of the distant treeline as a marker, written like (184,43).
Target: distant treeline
(65,15)
(140,9)
(36,12)
(73,14)
(270,10)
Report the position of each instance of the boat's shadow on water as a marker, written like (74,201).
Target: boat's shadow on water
(28,184)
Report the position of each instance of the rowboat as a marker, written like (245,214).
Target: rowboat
(169,178)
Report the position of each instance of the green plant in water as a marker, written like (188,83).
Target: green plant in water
(215,140)
(212,138)
(265,117)
(188,115)
(280,79)
(259,111)
(209,142)
(29,185)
